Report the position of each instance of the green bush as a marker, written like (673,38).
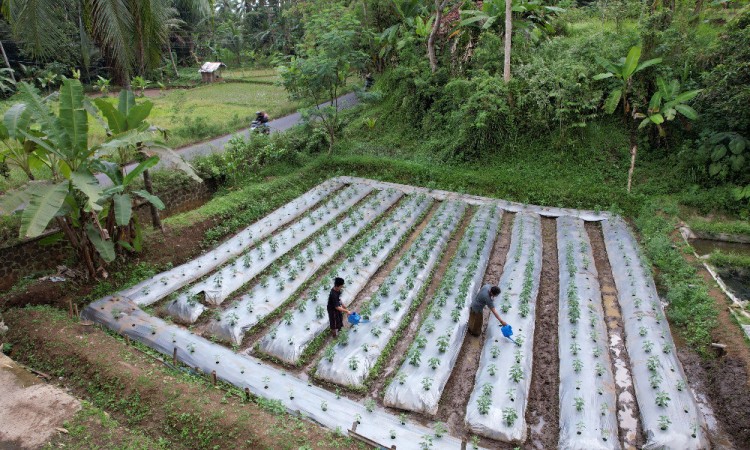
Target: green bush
(691,309)
(723,105)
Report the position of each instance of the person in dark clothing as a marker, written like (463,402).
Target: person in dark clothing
(262,117)
(485,297)
(336,309)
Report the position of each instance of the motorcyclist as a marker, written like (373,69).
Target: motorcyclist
(262,117)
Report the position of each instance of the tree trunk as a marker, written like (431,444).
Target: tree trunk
(508,39)
(7,63)
(155,220)
(171,58)
(633,153)
(698,7)
(433,34)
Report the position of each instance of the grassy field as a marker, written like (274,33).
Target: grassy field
(198,113)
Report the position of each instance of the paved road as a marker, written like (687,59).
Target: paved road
(217,145)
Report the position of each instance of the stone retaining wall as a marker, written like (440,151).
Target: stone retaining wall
(33,255)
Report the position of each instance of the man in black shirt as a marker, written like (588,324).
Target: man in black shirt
(336,309)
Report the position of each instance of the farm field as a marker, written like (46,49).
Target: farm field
(252,312)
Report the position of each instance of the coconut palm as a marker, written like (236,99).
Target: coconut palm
(131,33)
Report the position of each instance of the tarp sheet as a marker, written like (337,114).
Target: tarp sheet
(418,387)
(653,361)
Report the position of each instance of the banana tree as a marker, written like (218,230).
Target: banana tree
(73,198)
(623,71)
(129,116)
(665,105)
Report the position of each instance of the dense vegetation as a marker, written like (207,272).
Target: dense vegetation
(565,103)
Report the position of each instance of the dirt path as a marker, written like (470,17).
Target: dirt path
(722,383)
(457,391)
(31,411)
(184,412)
(543,411)
(631,435)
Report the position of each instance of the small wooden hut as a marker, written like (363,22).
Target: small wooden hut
(211,71)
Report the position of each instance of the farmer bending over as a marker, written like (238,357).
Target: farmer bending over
(485,297)
(336,310)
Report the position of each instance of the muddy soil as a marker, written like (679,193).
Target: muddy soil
(543,411)
(631,435)
(399,350)
(457,391)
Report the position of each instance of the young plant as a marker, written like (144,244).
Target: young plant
(664,423)
(495,351)
(442,343)
(370,405)
(426,383)
(509,416)
(516,373)
(353,363)
(579,404)
(434,362)
(492,369)
(662,399)
(415,356)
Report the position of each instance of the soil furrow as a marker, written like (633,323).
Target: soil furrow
(543,411)
(255,333)
(398,352)
(631,435)
(456,394)
(380,275)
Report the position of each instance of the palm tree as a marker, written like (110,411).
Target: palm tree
(131,33)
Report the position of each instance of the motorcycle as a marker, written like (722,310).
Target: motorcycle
(256,126)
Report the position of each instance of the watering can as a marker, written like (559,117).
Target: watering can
(356,319)
(508,332)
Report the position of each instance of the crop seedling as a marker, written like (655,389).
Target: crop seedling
(266,381)
(681,385)
(426,383)
(492,369)
(415,356)
(353,362)
(421,341)
(324,405)
(580,426)
(574,348)
(516,373)
(666,348)
(664,423)
(288,318)
(434,362)
(455,314)
(387,318)
(579,404)
(652,363)
(577,365)
(329,354)
(429,326)
(495,351)
(648,346)
(370,405)
(599,369)
(442,343)
(402,418)
(343,339)
(319,311)
(597,352)
(393,434)
(662,399)
(509,416)
(654,380)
